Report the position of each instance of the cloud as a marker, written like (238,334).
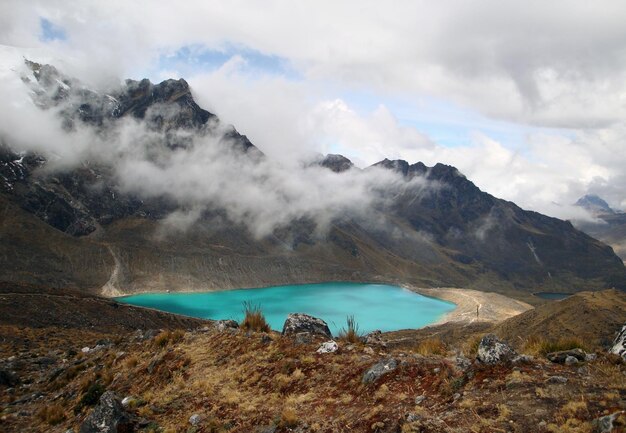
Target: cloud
(207,175)
(537,64)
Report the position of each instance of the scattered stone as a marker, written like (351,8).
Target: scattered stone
(379,369)
(523,359)
(374,338)
(8,378)
(604,424)
(619,344)
(85,349)
(267,429)
(108,416)
(561,357)
(413,417)
(128,401)
(571,360)
(556,380)
(493,351)
(462,363)
(419,399)
(436,370)
(298,323)
(223,325)
(368,350)
(590,357)
(195,419)
(328,347)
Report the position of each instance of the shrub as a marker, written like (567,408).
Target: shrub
(254,320)
(431,346)
(91,396)
(52,414)
(288,418)
(350,333)
(536,345)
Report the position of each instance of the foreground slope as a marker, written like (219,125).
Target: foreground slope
(240,381)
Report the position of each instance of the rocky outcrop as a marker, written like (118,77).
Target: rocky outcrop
(299,323)
(109,416)
(619,344)
(224,325)
(379,369)
(493,351)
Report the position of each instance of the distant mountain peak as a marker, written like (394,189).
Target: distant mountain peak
(337,163)
(594,204)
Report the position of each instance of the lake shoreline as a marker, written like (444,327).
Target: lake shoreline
(492,307)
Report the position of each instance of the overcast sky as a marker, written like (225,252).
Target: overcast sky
(526,98)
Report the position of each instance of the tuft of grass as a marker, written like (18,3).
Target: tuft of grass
(350,334)
(253,319)
(52,414)
(431,346)
(288,418)
(166,337)
(90,397)
(537,345)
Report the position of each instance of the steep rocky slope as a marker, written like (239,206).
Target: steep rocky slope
(610,226)
(76,226)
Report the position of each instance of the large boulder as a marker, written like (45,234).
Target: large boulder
(109,416)
(619,344)
(298,323)
(379,369)
(493,351)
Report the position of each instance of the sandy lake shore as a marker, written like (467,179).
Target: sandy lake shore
(492,307)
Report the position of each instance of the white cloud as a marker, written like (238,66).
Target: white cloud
(550,64)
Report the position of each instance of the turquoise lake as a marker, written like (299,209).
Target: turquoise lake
(374,306)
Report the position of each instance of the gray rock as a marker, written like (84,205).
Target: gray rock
(374,338)
(556,380)
(571,360)
(462,363)
(493,351)
(561,357)
(108,416)
(195,419)
(297,323)
(223,325)
(619,344)
(419,399)
(302,338)
(523,359)
(328,347)
(590,357)
(267,429)
(379,369)
(604,424)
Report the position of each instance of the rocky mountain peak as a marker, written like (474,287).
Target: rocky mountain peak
(336,163)
(594,204)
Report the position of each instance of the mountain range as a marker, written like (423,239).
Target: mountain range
(78,225)
(609,226)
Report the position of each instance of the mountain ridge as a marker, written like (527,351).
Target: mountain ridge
(434,226)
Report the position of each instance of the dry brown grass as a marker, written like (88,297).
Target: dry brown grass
(288,418)
(52,414)
(431,346)
(537,345)
(166,338)
(254,320)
